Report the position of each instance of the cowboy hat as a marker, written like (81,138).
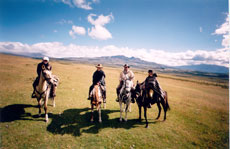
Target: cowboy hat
(150,71)
(99,66)
(126,65)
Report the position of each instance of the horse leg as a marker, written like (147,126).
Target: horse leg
(91,113)
(54,105)
(159,109)
(39,107)
(165,109)
(139,112)
(46,110)
(121,110)
(104,105)
(145,113)
(126,111)
(130,110)
(99,113)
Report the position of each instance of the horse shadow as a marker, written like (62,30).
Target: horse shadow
(77,121)
(15,112)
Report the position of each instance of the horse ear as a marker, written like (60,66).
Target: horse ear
(137,81)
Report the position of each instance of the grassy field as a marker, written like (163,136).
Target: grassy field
(199,116)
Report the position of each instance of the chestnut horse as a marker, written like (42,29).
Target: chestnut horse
(150,96)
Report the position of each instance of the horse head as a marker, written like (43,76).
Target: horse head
(126,89)
(47,75)
(137,91)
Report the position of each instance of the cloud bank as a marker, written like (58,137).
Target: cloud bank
(59,50)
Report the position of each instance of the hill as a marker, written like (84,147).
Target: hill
(199,115)
(205,68)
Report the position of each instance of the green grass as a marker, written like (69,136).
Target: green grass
(198,117)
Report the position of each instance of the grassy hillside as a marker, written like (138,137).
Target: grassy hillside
(198,117)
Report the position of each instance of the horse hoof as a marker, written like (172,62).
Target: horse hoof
(91,120)
(39,115)
(54,105)
(146,126)
(125,120)
(120,120)
(100,121)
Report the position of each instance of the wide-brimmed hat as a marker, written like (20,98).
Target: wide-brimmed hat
(99,66)
(45,58)
(126,65)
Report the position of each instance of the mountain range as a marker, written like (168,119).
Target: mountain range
(120,60)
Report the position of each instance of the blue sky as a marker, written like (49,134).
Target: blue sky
(173,26)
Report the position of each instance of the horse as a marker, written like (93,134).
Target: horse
(125,97)
(96,100)
(42,91)
(150,96)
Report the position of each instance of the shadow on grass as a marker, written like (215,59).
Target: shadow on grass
(15,112)
(77,121)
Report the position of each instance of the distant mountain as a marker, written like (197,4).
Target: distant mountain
(119,61)
(205,68)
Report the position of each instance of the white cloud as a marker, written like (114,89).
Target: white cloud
(224,30)
(98,31)
(55,31)
(59,50)
(77,30)
(84,4)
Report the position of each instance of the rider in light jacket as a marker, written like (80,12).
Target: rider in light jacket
(125,74)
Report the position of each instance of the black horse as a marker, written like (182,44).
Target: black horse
(145,97)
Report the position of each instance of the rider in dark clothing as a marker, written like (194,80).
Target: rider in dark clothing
(43,65)
(99,77)
(152,83)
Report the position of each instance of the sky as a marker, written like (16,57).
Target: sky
(174,33)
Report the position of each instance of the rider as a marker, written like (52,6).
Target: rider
(98,77)
(125,74)
(152,83)
(43,65)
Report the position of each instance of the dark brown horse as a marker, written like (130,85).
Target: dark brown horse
(149,96)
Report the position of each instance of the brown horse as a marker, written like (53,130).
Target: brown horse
(149,96)
(96,101)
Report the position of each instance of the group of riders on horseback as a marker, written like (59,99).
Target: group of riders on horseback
(99,78)
(145,93)
(127,74)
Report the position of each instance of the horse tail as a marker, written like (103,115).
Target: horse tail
(166,101)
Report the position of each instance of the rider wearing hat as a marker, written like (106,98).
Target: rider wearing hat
(98,77)
(152,83)
(125,74)
(43,65)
